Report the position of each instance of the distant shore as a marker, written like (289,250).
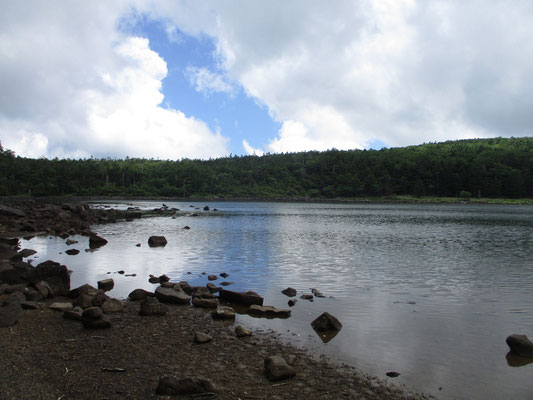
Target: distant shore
(403,199)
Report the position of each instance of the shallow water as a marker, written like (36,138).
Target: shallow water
(430,291)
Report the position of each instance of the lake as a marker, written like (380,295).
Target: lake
(429,291)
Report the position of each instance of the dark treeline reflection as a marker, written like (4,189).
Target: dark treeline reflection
(478,168)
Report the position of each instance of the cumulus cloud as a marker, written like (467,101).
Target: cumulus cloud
(75,86)
(251,150)
(346,73)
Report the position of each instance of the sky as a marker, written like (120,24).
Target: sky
(175,79)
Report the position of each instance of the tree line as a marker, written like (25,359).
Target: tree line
(489,168)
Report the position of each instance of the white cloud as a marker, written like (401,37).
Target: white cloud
(207,82)
(251,150)
(74,85)
(342,74)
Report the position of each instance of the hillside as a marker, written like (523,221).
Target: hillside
(484,167)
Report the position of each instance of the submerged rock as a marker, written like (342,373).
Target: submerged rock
(326,322)
(268,311)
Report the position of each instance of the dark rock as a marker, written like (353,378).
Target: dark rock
(212,277)
(167,295)
(33,305)
(15,297)
(152,306)
(227,283)
(276,368)
(44,288)
(138,245)
(96,241)
(112,306)
(83,301)
(204,303)
(268,311)
(154,279)
(121,272)
(164,278)
(100,323)
(92,313)
(186,227)
(9,254)
(200,337)
(140,294)
(20,287)
(83,289)
(200,291)
(291,292)
(33,295)
(244,298)
(292,302)
(106,284)
(72,252)
(70,242)
(307,296)
(206,208)
(74,314)
(171,385)
(393,374)
(100,298)
(10,314)
(241,331)
(27,252)
(57,276)
(171,285)
(326,322)
(224,275)
(155,241)
(224,312)
(520,345)
(185,287)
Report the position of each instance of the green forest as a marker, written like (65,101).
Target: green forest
(489,168)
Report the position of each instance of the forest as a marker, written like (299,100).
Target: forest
(489,168)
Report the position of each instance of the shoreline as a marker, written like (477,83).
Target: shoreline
(363,200)
(48,354)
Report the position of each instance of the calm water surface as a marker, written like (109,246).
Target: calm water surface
(430,291)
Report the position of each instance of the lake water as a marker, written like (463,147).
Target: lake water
(429,291)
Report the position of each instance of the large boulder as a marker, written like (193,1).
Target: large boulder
(173,296)
(57,276)
(244,298)
(520,345)
(83,289)
(276,368)
(112,306)
(202,302)
(140,294)
(172,385)
(156,241)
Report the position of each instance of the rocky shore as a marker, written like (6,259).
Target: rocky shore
(78,343)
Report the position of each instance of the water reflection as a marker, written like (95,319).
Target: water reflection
(430,291)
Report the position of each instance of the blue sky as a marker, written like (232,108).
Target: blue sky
(237,115)
(189,79)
